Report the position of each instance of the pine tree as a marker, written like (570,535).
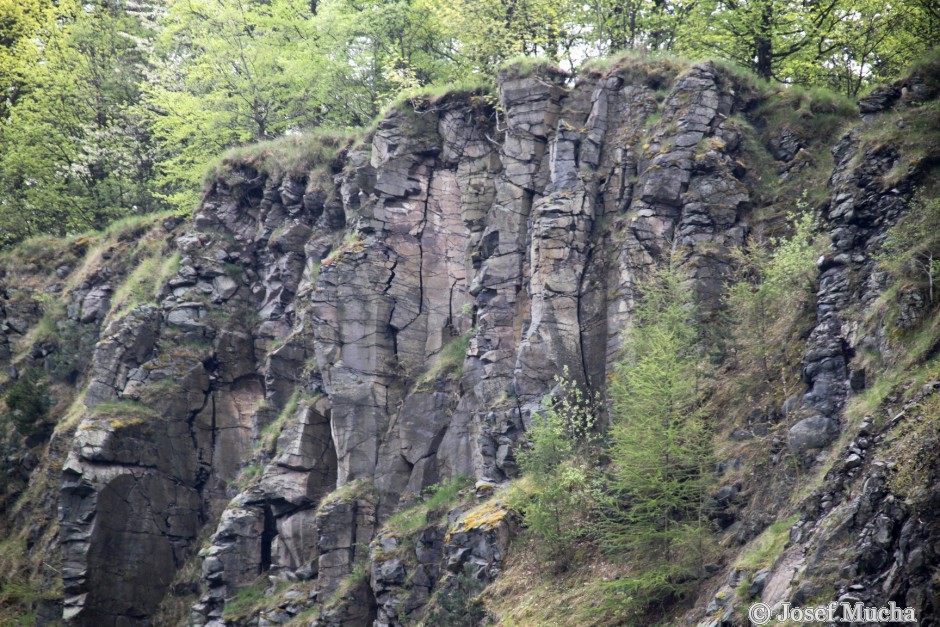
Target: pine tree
(661,453)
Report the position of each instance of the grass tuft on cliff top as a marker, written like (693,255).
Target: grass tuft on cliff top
(291,155)
(354,490)
(524,66)
(437,501)
(476,91)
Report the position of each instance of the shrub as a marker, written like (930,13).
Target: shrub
(457,603)
(776,288)
(437,499)
(912,247)
(559,440)
(27,399)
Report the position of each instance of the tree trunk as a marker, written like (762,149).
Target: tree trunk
(763,42)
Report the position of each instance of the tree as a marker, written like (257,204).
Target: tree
(559,442)
(22,24)
(27,400)
(661,453)
(776,287)
(488,32)
(240,71)
(223,78)
(74,151)
(766,36)
(639,24)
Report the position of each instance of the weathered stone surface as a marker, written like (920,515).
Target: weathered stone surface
(813,432)
(486,251)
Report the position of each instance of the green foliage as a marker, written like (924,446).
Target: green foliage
(249,475)
(841,44)
(775,290)
(27,399)
(566,425)
(457,602)
(436,500)
(246,599)
(74,153)
(661,453)
(912,132)
(356,489)
(558,514)
(143,284)
(764,550)
(124,413)
(559,442)
(918,468)
(449,362)
(294,155)
(271,433)
(353,583)
(114,109)
(912,247)
(352,243)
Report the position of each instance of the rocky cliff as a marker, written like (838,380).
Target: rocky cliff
(243,401)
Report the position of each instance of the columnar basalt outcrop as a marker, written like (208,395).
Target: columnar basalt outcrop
(516,234)
(329,341)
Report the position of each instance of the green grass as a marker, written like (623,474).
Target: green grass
(144,283)
(910,367)
(124,413)
(928,66)
(914,132)
(358,578)
(247,600)
(249,475)
(767,547)
(130,227)
(437,500)
(155,391)
(448,362)
(356,489)
(41,252)
(294,155)
(352,243)
(813,115)
(305,618)
(477,91)
(523,66)
(269,434)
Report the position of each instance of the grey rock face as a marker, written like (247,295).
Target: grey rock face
(453,231)
(483,254)
(813,432)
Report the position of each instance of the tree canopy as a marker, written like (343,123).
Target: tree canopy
(114,107)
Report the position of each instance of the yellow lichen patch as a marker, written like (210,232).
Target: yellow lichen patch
(124,423)
(485,516)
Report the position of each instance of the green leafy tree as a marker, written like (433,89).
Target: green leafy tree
(23,23)
(241,71)
(75,151)
(661,455)
(767,36)
(775,290)
(225,76)
(488,32)
(638,24)
(559,442)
